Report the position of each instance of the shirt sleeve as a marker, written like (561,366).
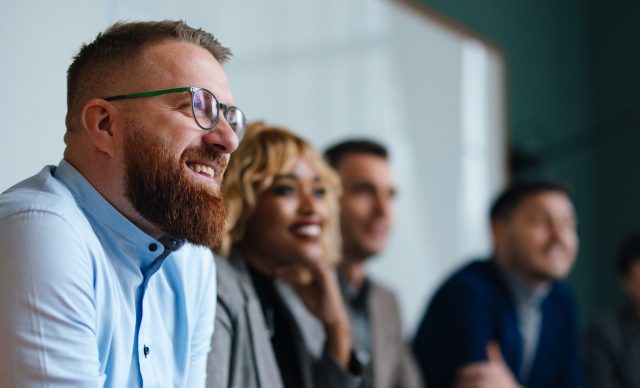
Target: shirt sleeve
(201,343)
(48,320)
(327,372)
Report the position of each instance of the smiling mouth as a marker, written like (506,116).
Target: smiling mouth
(309,231)
(556,253)
(202,169)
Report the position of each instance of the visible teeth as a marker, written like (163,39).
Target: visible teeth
(309,230)
(203,169)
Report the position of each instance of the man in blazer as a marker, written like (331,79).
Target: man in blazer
(509,321)
(367,213)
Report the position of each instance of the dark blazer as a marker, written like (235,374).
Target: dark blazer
(393,364)
(473,307)
(241,352)
(612,350)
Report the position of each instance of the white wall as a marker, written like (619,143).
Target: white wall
(329,70)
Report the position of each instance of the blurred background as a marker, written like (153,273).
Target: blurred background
(466,94)
(574,107)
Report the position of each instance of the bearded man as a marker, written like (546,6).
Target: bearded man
(107,275)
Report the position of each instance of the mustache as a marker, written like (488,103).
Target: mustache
(206,153)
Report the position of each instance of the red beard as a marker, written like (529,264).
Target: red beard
(160,190)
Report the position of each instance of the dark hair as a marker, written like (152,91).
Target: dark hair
(337,152)
(628,254)
(120,44)
(506,202)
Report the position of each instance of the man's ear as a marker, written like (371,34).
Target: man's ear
(499,229)
(98,117)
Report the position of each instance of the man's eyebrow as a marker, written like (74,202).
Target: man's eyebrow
(363,185)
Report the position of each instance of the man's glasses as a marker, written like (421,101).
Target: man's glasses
(204,106)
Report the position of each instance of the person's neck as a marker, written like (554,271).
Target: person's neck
(255,260)
(353,272)
(108,187)
(534,284)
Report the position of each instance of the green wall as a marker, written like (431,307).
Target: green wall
(574,93)
(616,82)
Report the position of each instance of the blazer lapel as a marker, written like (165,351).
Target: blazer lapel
(381,352)
(263,356)
(308,333)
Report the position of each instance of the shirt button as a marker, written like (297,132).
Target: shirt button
(153,247)
(146,350)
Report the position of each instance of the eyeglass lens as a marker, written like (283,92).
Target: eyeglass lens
(205,111)
(205,108)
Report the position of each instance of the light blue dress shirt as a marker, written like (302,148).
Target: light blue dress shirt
(88,299)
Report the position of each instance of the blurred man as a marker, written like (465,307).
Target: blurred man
(612,343)
(107,276)
(367,214)
(508,321)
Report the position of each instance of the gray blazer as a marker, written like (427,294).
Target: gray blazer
(393,362)
(612,350)
(241,352)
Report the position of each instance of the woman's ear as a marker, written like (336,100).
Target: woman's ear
(98,123)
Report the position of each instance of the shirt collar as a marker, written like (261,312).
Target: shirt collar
(353,296)
(523,293)
(100,211)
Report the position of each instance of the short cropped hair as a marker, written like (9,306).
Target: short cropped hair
(120,45)
(337,152)
(267,151)
(628,254)
(504,205)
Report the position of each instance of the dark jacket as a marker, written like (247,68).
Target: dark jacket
(475,306)
(612,350)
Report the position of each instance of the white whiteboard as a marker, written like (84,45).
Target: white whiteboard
(329,70)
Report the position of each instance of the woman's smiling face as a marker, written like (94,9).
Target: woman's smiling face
(289,218)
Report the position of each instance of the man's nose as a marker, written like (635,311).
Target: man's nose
(222,137)
(383,204)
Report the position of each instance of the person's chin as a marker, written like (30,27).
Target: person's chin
(375,247)
(311,254)
(554,273)
(557,267)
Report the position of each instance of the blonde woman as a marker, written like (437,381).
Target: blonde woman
(280,320)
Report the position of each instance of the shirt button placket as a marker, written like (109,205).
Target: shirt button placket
(145,346)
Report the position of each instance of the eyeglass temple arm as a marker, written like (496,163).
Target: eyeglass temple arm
(147,94)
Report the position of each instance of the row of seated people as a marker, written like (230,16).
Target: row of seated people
(109,277)
(503,321)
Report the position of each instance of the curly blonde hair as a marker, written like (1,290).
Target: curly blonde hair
(267,151)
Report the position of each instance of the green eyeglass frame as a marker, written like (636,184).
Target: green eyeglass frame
(205,107)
